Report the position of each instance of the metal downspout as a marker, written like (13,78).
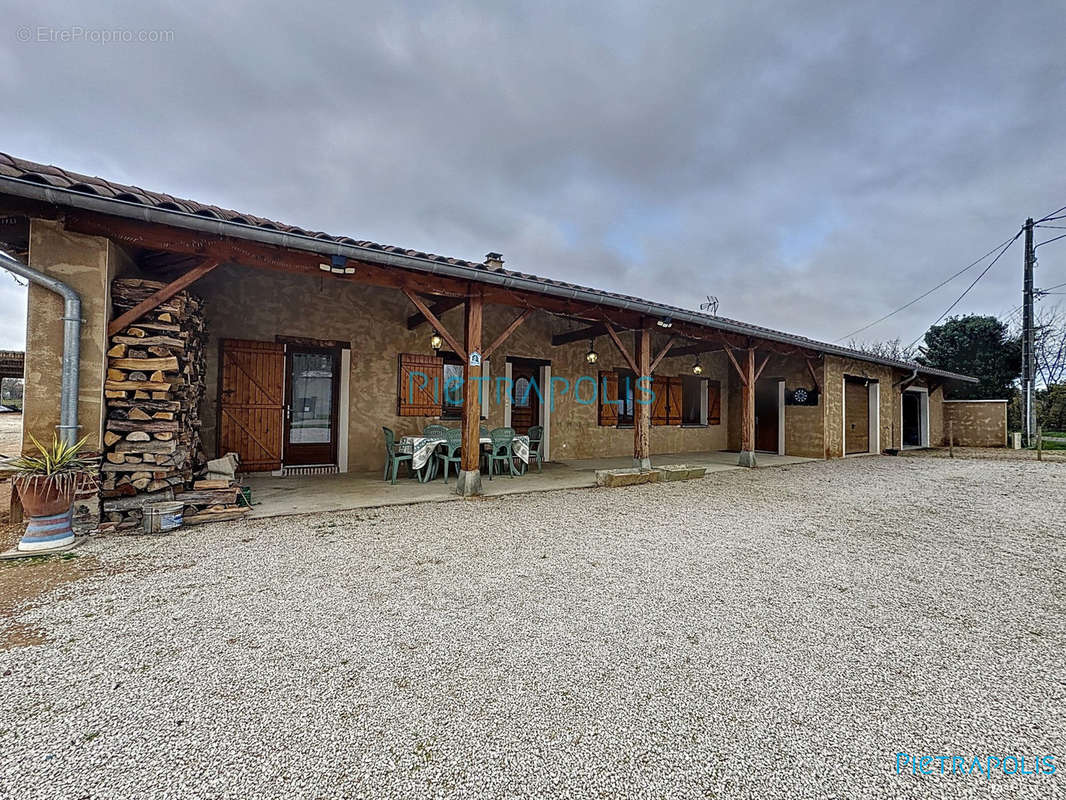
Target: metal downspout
(68,401)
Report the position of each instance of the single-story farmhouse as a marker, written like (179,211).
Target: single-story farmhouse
(312,343)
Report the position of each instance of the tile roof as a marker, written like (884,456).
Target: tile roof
(56,177)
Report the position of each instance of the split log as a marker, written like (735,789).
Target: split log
(165,364)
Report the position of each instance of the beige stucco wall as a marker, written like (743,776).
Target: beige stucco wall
(975,423)
(258,304)
(835,370)
(87,264)
(803,424)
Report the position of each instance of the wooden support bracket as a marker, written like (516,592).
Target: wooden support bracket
(507,332)
(662,354)
(436,323)
(621,349)
(158,298)
(740,372)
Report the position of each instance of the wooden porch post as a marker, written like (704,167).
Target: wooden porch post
(642,411)
(469,482)
(747,409)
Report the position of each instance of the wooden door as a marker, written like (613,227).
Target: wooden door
(766,415)
(856,416)
(525,399)
(312,391)
(251,403)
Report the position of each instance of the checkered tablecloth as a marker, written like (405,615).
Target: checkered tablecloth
(421,448)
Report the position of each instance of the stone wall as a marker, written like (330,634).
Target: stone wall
(244,303)
(975,423)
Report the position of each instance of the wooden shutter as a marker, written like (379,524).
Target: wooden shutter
(714,403)
(608,393)
(660,404)
(251,403)
(419,385)
(673,406)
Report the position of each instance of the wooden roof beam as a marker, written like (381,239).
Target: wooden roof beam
(437,308)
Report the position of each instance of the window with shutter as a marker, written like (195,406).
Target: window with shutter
(714,403)
(418,385)
(660,414)
(608,395)
(673,401)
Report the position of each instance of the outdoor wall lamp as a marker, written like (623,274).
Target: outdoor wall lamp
(665,322)
(592,356)
(338,265)
(697,368)
(436,341)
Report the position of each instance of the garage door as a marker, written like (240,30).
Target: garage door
(856,416)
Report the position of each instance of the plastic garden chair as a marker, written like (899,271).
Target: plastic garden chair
(394,459)
(434,431)
(536,442)
(449,453)
(500,451)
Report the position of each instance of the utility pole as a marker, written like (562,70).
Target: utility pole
(1028,360)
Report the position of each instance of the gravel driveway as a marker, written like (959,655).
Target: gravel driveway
(777,633)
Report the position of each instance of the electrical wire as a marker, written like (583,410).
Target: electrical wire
(1049,241)
(1051,216)
(958,300)
(926,294)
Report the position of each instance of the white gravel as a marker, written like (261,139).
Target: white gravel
(777,633)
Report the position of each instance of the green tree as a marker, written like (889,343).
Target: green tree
(978,346)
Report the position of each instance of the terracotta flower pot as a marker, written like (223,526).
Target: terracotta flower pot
(49,506)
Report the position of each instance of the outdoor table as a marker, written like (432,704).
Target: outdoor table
(421,449)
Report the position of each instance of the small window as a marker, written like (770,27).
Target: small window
(452,387)
(521,393)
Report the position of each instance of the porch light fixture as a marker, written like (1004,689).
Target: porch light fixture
(592,356)
(436,341)
(665,322)
(697,368)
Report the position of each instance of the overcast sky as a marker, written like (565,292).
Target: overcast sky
(813,165)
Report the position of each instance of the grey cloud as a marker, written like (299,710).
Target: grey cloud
(813,165)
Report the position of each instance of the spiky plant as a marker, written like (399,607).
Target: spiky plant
(59,464)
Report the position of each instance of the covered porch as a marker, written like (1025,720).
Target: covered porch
(279,496)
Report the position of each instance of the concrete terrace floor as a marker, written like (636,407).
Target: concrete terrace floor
(304,494)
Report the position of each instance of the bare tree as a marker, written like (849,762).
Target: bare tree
(1049,345)
(892,348)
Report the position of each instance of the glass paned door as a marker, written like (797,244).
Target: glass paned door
(311,413)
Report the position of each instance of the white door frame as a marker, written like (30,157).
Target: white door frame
(923,417)
(544,376)
(873,411)
(780,416)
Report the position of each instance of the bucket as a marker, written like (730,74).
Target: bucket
(162,517)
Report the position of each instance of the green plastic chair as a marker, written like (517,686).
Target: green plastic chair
(394,459)
(429,471)
(536,442)
(500,451)
(449,452)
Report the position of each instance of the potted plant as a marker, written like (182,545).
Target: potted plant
(46,484)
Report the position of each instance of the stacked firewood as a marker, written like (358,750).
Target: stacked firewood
(155,382)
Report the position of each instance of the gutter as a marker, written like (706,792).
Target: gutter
(68,400)
(217,227)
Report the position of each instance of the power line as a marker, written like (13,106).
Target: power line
(926,294)
(1049,241)
(958,300)
(1051,216)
